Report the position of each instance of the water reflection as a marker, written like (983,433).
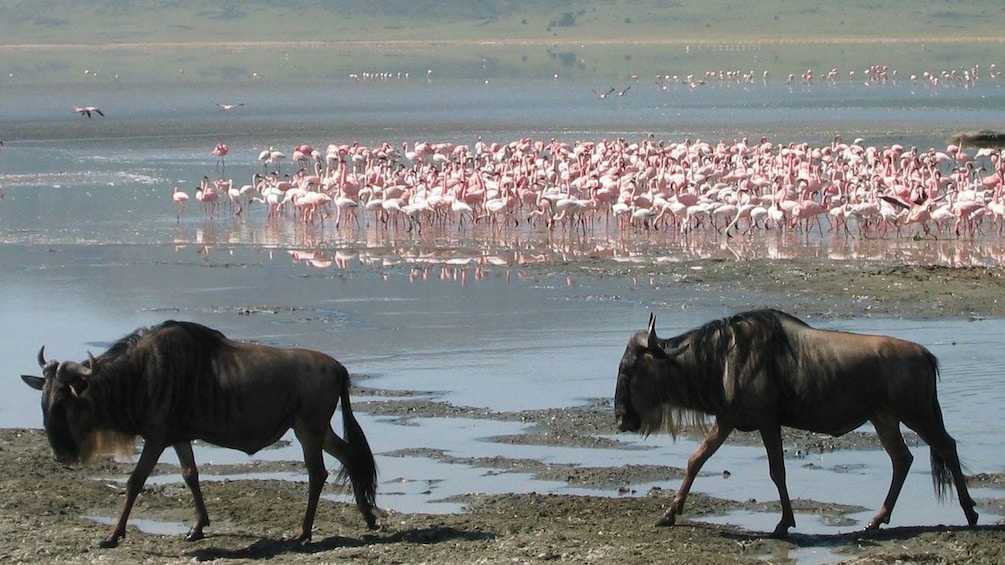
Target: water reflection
(321,249)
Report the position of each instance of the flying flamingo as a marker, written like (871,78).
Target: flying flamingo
(221,151)
(86,110)
(602,95)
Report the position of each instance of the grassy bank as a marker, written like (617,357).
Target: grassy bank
(152,40)
(154,21)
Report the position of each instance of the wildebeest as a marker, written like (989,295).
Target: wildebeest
(180,381)
(765,369)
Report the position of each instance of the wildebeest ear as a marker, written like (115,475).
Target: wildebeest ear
(34,382)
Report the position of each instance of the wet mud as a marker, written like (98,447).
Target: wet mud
(49,512)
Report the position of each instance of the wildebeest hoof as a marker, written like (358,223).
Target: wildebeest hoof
(666,521)
(302,538)
(109,543)
(780,533)
(195,535)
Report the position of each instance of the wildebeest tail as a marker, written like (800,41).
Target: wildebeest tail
(941,477)
(359,468)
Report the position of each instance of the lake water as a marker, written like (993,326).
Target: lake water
(91,249)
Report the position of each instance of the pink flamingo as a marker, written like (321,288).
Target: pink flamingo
(271,156)
(208,196)
(221,151)
(180,198)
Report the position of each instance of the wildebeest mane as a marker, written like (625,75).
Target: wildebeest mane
(759,333)
(199,333)
(709,357)
(183,343)
(169,356)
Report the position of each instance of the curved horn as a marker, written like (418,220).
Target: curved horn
(653,341)
(92,363)
(41,357)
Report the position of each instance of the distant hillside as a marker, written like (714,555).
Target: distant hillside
(167,21)
(608,40)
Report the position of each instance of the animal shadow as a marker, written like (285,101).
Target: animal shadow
(858,537)
(268,548)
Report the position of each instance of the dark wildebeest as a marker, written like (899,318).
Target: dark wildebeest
(765,369)
(179,381)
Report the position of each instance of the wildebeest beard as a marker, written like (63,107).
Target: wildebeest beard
(687,383)
(676,405)
(107,442)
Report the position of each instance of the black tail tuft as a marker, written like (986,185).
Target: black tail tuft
(941,477)
(360,468)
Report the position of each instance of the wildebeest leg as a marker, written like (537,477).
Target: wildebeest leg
(888,430)
(190,474)
(946,458)
(148,459)
(772,438)
(311,442)
(713,440)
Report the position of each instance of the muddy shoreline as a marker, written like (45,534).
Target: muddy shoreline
(46,510)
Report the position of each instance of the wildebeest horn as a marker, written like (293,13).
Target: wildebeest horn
(653,342)
(92,363)
(41,357)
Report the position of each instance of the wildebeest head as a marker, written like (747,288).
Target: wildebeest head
(641,402)
(67,413)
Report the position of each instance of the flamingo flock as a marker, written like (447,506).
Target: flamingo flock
(738,188)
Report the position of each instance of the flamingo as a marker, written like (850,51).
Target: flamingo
(86,110)
(271,156)
(208,196)
(273,199)
(221,151)
(459,207)
(226,107)
(682,184)
(180,198)
(602,95)
(344,204)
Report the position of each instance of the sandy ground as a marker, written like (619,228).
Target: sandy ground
(44,507)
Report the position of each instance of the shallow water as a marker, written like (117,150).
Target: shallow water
(503,342)
(91,249)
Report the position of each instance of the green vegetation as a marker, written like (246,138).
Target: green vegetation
(272,39)
(167,21)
